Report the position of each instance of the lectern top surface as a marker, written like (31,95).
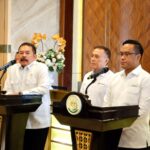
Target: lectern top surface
(19,99)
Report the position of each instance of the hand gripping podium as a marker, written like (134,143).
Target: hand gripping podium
(14,111)
(93,128)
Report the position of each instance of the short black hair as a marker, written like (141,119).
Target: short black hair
(30,45)
(138,46)
(106,49)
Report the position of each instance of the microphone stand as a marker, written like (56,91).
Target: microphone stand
(2,92)
(95,75)
(90,84)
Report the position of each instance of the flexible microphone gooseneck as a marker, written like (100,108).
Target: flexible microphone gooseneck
(7,65)
(89,85)
(94,75)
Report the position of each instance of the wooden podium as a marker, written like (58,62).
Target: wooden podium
(93,128)
(14,110)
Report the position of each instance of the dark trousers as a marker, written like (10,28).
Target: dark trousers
(34,139)
(148,148)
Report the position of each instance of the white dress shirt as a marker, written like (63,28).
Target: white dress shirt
(97,90)
(133,89)
(32,79)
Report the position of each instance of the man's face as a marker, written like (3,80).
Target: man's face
(129,58)
(99,59)
(26,55)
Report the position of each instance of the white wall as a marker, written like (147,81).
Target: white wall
(33,16)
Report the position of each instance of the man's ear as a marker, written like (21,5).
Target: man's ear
(139,56)
(107,60)
(35,56)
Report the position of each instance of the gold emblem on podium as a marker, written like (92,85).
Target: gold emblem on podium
(73,105)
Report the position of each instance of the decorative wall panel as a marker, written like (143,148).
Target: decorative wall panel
(110,22)
(94,28)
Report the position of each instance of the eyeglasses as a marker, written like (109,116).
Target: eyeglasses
(126,54)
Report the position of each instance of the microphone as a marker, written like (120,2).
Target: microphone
(7,65)
(94,75)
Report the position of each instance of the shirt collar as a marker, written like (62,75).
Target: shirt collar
(135,72)
(101,75)
(28,66)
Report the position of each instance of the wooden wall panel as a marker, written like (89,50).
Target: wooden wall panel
(131,23)
(2,23)
(118,20)
(114,28)
(93,29)
(66,31)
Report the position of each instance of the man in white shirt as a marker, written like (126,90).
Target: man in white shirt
(131,87)
(31,77)
(97,89)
